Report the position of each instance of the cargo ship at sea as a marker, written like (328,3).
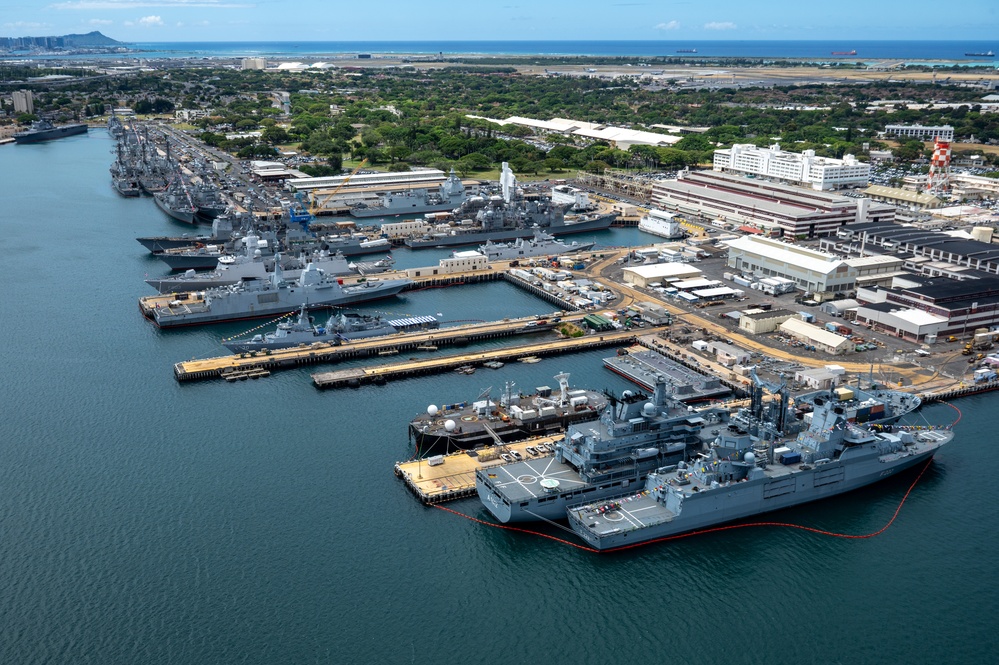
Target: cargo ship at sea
(853,52)
(251,299)
(484,421)
(504,217)
(986,54)
(448,196)
(43,130)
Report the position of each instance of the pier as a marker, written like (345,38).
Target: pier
(452,476)
(383,373)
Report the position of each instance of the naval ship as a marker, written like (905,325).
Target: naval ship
(448,196)
(506,216)
(874,405)
(344,326)
(634,436)
(483,422)
(256,298)
(737,476)
(542,244)
(43,130)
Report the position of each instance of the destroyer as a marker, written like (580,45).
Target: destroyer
(737,476)
(341,327)
(484,422)
(542,244)
(255,298)
(874,405)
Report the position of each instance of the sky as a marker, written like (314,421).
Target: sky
(421,20)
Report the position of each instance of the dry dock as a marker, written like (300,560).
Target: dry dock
(383,373)
(453,476)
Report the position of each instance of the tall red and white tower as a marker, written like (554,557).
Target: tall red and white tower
(938,181)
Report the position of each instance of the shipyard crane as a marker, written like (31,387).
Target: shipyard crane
(318,204)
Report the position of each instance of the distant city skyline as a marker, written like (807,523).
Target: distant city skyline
(397,20)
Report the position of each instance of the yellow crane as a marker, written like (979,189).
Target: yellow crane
(318,204)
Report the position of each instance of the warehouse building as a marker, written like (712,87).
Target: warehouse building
(796,168)
(812,270)
(759,322)
(820,338)
(775,209)
(942,246)
(656,274)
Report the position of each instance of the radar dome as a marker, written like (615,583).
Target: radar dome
(649,409)
(626,394)
(750,458)
(450,425)
(432,410)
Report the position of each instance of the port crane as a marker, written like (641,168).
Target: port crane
(320,203)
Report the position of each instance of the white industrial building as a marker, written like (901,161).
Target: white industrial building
(820,338)
(457,262)
(421,178)
(760,322)
(253,63)
(618,137)
(799,168)
(921,132)
(645,275)
(812,270)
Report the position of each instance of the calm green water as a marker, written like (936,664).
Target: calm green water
(144,521)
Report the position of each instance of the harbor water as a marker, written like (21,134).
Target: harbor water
(147,521)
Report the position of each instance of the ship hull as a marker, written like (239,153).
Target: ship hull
(395,211)
(50,134)
(156,244)
(249,305)
(600,223)
(190,262)
(185,216)
(747,500)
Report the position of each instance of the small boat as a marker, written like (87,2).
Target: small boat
(529,360)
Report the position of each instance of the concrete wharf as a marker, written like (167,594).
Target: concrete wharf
(383,373)
(321,352)
(453,476)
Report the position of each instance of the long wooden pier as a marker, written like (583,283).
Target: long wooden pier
(383,373)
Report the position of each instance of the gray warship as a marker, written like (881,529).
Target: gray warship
(257,298)
(484,421)
(43,130)
(507,216)
(634,436)
(739,476)
(541,244)
(874,405)
(448,196)
(341,327)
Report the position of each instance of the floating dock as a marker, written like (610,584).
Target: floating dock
(447,477)
(379,374)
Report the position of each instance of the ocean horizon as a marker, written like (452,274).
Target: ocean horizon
(912,51)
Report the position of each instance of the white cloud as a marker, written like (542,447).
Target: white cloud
(720,25)
(669,25)
(25,25)
(149,21)
(100,21)
(138,4)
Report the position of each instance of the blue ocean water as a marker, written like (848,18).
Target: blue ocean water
(146,521)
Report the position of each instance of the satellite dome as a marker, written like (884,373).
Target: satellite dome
(449,425)
(750,458)
(432,410)
(649,409)
(626,394)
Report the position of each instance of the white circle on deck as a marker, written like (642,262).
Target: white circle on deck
(613,516)
(549,484)
(528,480)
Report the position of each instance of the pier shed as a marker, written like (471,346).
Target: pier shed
(822,339)
(645,275)
(760,322)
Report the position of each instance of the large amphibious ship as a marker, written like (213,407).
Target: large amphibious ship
(737,476)
(43,130)
(448,196)
(634,436)
(483,422)
(507,216)
(256,298)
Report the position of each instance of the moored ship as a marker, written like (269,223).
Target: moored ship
(738,477)
(874,405)
(483,421)
(43,130)
(448,196)
(542,244)
(250,299)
